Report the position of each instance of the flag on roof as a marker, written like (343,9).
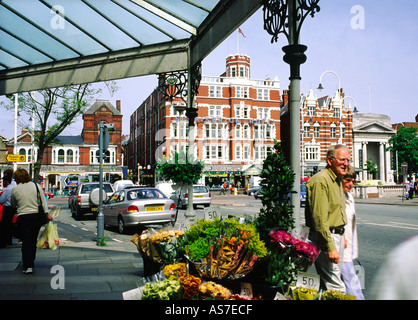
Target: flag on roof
(240,31)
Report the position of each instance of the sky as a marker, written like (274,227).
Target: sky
(371,45)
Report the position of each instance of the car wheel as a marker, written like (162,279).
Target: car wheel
(78,213)
(121,226)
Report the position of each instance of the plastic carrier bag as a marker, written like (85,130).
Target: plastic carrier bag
(49,237)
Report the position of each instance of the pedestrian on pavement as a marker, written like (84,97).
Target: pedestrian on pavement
(223,188)
(6,224)
(411,190)
(326,218)
(349,276)
(25,200)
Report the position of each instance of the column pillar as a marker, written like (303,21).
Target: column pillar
(382,162)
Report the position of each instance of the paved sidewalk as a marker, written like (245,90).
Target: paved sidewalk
(88,272)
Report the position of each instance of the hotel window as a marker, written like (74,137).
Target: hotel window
(311,111)
(342,131)
(238,131)
(241,92)
(263,94)
(306,130)
(242,111)
(263,113)
(260,152)
(312,153)
(233,72)
(215,152)
(215,111)
(241,71)
(316,130)
(238,150)
(333,131)
(216,130)
(337,112)
(246,153)
(215,92)
(246,131)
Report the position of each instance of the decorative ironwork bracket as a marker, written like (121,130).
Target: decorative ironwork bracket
(280,14)
(174,84)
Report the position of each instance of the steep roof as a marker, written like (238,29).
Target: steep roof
(99,103)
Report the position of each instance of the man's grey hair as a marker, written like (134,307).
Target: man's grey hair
(332,151)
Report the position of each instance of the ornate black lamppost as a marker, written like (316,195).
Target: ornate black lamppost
(177,84)
(287,16)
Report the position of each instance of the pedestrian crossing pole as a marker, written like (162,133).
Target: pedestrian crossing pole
(104,129)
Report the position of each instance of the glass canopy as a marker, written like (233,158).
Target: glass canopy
(45,44)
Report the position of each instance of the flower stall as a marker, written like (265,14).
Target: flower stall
(233,258)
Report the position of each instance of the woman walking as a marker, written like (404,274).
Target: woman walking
(25,199)
(349,276)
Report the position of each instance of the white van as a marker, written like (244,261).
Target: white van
(121,184)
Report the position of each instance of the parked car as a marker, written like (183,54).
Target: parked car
(121,184)
(166,188)
(253,190)
(138,206)
(259,195)
(201,196)
(86,198)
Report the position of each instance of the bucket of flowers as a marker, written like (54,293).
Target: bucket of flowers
(289,255)
(223,249)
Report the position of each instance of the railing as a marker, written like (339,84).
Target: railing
(378,191)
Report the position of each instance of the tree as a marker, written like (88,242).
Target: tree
(405,143)
(370,167)
(277,180)
(56,109)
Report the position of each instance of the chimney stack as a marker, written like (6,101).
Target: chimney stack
(118,105)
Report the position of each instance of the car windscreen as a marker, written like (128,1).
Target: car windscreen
(199,189)
(88,188)
(138,194)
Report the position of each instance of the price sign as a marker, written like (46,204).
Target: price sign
(212,212)
(246,290)
(306,280)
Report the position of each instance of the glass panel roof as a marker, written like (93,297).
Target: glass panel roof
(46,31)
(46,39)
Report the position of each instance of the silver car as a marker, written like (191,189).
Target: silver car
(201,196)
(137,206)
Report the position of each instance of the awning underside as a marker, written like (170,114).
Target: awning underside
(44,44)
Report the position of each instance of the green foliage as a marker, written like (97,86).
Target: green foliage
(277,182)
(53,110)
(181,169)
(405,142)
(370,167)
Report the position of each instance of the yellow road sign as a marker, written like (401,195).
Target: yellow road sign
(15,158)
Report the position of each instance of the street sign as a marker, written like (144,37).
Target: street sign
(404,167)
(15,158)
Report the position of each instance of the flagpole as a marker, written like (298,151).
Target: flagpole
(238,42)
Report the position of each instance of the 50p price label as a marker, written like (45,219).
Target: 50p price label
(307,280)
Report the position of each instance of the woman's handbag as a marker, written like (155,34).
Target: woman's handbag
(43,216)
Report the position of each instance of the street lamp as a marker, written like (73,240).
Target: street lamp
(281,16)
(320,88)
